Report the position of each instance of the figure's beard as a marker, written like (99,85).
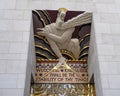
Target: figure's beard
(59,22)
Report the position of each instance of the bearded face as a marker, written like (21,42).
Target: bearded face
(60,18)
(62,15)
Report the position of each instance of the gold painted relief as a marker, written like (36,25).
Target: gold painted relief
(74,70)
(69,79)
(63,90)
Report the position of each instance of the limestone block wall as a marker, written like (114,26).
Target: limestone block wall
(15,20)
(14,39)
(107,43)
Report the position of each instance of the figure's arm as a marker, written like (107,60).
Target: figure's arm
(60,39)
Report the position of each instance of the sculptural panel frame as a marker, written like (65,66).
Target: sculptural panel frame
(46,57)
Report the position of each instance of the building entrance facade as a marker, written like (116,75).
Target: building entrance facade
(71,77)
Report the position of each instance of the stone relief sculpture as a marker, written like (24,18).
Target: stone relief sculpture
(59,34)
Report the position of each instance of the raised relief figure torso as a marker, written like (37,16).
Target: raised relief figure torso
(59,34)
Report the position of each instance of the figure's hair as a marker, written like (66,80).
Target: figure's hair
(62,9)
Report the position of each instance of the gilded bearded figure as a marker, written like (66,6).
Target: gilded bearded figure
(59,34)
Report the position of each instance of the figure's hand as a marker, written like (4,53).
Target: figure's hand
(42,33)
(40,29)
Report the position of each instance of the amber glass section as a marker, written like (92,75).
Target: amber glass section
(63,90)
